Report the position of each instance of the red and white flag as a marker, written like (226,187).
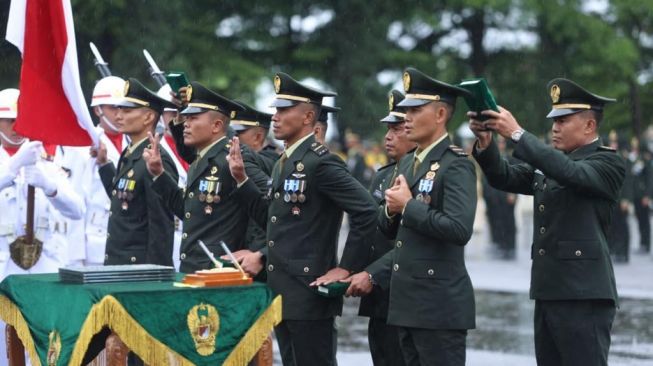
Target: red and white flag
(51,106)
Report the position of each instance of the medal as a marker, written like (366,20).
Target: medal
(214,170)
(301,198)
(427,199)
(435,166)
(430,175)
(293,197)
(130,196)
(202,197)
(209,198)
(119,194)
(300,167)
(125,205)
(295,210)
(286,197)
(420,197)
(216,198)
(208,210)
(130,173)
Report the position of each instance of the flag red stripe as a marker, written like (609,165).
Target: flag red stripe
(44,112)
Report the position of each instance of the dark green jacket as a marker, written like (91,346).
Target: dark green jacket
(376,303)
(303,237)
(140,228)
(573,199)
(224,219)
(266,158)
(430,287)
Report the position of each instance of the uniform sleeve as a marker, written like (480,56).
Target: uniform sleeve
(188,153)
(6,178)
(334,181)
(107,173)
(255,203)
(381,270)
(170,193)
(67,201)
(454,223)
(501,174)
(160,224)
(600,174)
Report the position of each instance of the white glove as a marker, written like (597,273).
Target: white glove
(35,175)
(28,154)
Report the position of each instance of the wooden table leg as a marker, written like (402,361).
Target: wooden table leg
(265,355)
(15,349)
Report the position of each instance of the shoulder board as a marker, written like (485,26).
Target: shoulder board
(387,166)
(319,149)
(607,148)
(457,150)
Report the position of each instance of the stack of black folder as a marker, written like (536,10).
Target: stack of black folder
(120,273)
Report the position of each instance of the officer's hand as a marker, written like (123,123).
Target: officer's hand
(333,275)
(235,159)
(36,176)
(182,95)
(480,130)
(360,284)
(28,154)
(175,98)
(152,156)
(398,196)
(502,122)
(252,263)
(624,206)
(101,154)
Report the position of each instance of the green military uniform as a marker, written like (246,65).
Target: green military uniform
(302,214)
(572,279)
(383,338)
(140,228)
(431,294)
(206,206)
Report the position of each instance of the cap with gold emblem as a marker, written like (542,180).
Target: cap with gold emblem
(250,117)
(324,113)
(290,92)
(421,89)
(568,97)
(200,99)
(136,95)
(396,114)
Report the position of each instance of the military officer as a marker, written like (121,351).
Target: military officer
(430,210)
(252,127)
(302,213)
(322,124)
(207,207)
(140,228)
(383,338)
(575,184)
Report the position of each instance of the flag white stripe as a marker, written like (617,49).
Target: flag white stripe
(16,23)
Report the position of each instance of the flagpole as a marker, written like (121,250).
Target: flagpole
(29,225)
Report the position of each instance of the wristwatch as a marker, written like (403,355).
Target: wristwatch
(371,278)
(516,135)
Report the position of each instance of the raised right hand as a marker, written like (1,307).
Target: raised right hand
(152,156)
(235,159)
(483,135)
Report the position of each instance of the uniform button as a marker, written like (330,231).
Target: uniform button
(191,195)
(133,259)
(271,243)
(106,256)
(276,195)
(270,268)
(535,184)
(182,256)
(273,219)
(401,222)
(306,269)
(541,208)
(399,243)
(541,252)
(542,230)
(184,235)
(110,213)
(113,193)
(430,272)
(395,267)
(187,215)
(578,253)
(544,186)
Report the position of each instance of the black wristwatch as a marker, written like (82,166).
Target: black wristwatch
(371,278)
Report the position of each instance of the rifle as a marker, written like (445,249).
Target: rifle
(154,70)
(102,66)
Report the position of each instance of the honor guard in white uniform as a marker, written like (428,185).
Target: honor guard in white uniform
(106,94)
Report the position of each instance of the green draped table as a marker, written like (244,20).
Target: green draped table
(161,323)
